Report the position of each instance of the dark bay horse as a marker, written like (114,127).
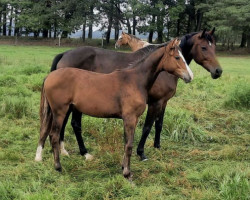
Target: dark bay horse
(198,46)
(121,94)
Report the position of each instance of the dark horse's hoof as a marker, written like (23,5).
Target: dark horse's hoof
(142,157)
(158,146)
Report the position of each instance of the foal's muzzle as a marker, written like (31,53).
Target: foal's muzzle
(217,73)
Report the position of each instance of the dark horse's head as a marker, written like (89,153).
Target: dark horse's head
(202,50)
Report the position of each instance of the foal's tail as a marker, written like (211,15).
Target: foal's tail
(55,61)
(46,116)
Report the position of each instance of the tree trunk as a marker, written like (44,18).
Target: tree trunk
(151,31)
(84,29)
(248,41)
(243,40)
(10,25)
(5,19)
(91,18)
(45,33)
(55,29)
(134,25)
(128,25)
(160,29)
(0,22)
(199,20)
(109,30)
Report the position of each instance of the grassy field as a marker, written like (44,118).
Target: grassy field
(204,150)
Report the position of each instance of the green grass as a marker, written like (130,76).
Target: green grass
(204,143)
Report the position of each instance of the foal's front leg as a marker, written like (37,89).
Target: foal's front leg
(129,131)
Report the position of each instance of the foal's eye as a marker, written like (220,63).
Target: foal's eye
(204,48)
(177,57)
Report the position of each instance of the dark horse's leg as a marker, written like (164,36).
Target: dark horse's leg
(150,118)
(158,128)
(76,124)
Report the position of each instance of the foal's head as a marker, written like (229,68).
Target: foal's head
(122,40)
(175,63)
(203,52)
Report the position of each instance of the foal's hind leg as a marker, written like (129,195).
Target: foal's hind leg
(55,137)
(62,132)
(44,132)
(76,124)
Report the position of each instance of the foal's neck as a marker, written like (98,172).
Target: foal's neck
(150,68)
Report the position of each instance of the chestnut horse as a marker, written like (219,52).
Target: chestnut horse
(198,46)
(121,94)
(131,40)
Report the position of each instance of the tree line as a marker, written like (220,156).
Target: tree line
(164,18)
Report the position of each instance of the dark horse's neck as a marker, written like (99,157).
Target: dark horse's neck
(149,68)
(186,46)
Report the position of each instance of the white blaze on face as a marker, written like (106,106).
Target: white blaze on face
(39,153)
(120,37)
(209,43)
(188,69)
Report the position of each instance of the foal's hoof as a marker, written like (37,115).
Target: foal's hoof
(64,152)
(89,156)
(38,159)
(127,174)
(58,167)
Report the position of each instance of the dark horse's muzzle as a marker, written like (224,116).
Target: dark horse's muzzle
(217,73)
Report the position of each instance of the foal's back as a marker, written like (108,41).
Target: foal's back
(95,94)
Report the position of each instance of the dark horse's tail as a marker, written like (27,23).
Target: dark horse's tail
(46,116)
(55,61)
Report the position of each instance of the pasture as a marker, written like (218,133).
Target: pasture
(204,147)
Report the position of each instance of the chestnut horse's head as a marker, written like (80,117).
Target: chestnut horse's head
(175,63)
(203,52)
(122,40)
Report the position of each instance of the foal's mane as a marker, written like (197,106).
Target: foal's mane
(147,51)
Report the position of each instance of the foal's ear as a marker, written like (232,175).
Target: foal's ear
(203,33)
(212,31)
(123,33)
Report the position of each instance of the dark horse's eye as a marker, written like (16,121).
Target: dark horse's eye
(177,57)
(204,48)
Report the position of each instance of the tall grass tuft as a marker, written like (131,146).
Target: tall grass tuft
(181,126)
(235,187)
(239,97)
(16,106)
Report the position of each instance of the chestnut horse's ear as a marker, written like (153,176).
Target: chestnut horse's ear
(123,33)
(177,41)
(212,31)
(203,33)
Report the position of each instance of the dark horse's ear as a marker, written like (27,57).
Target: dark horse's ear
(203,33)
(212,31)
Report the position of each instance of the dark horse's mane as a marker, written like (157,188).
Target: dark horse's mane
(185,38)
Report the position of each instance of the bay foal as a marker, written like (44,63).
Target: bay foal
(121,94)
